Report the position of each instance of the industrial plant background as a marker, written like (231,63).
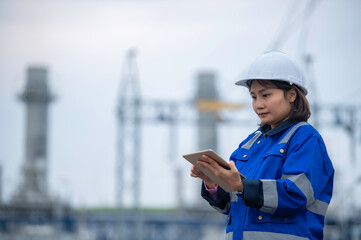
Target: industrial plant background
(100,99)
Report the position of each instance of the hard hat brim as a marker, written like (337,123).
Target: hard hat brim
(243,82)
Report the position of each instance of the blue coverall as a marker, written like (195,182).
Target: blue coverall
(288,185)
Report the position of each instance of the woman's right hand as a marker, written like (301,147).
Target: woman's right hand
(196,173)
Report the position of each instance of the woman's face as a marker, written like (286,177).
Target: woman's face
(270,103)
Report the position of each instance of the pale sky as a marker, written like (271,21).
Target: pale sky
(83,44)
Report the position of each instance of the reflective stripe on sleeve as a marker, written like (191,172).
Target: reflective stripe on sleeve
(229,236)
(224,210)
(250,235)
(234,197)
(319,207)
(270,196)
(302,182)
(250,142)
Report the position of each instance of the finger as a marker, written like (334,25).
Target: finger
(205,166)
(232,165)
(195,170)
(210,161)
(211,166)
(207,159)
(201,165)
(194,175)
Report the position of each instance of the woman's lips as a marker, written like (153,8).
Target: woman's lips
(262,114)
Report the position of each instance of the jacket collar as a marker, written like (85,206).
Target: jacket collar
(267,131)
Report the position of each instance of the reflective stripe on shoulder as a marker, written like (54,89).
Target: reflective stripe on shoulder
(302,182)
(290,132)
(270,196)
(251,235)
(250,142)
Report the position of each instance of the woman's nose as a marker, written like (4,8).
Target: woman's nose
(259,104)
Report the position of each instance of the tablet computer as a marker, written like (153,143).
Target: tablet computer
(194,157)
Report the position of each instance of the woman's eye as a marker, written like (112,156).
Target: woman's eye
(266,95)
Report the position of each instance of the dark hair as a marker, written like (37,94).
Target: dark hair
(300,107)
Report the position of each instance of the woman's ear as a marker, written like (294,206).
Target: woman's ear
(291,95)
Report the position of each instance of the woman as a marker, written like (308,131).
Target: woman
(289,176)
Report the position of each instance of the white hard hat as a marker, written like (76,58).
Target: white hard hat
(274,65)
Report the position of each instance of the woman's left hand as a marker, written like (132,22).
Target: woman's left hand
(231,177)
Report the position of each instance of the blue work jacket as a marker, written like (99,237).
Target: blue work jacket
(288,185)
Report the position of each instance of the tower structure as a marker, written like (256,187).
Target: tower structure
(128,164)
(129,149)
(32,203)
(36,97)
(1,184)
(207,125)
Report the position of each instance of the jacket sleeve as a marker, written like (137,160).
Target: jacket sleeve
(306,182)
(222,202)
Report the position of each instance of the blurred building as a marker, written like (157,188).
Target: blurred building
(32,202)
